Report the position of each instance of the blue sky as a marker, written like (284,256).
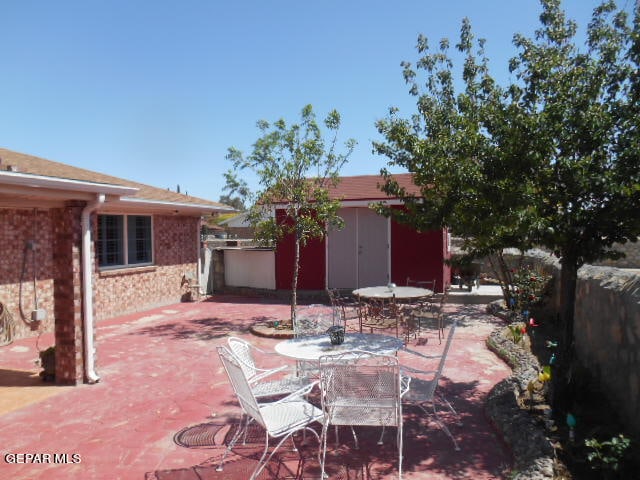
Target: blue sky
(156,91)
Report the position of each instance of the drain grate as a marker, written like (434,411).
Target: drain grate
(198,436)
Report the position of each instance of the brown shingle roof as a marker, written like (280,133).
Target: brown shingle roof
(39,166)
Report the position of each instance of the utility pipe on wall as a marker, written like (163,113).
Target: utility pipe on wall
(87,289)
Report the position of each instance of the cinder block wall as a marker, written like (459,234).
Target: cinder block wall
(176,250)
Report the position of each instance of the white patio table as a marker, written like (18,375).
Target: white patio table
(385,293)
(313,347)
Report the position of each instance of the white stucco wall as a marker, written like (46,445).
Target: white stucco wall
(255,268)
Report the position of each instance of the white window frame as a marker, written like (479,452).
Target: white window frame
(125,241)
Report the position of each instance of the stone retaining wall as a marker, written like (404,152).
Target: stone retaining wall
(607,335)
(607,331)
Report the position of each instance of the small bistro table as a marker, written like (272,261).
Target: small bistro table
(385,293)
(381,310)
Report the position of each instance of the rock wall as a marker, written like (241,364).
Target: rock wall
(607,331)
(607,335)
(631,259)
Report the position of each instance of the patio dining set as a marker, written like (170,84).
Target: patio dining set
(348,366)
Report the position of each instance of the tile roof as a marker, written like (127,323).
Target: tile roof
(29,164)
(367,187)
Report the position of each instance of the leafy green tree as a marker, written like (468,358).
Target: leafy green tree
(295,166)
(550,159)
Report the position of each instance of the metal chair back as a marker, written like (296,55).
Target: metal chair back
(313,321)
(279,419)
(242,349)
(240,385)
(361,388)
(424,384)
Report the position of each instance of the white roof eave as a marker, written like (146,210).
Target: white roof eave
(27,180)
(180,206)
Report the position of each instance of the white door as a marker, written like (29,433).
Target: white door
(342,256)
(373,249)
(358,255)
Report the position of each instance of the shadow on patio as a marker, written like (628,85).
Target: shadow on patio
(164,408)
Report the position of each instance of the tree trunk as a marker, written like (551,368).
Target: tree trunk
(294,281)
(563,392)
(503,273)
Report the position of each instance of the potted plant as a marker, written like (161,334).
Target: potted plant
(48,363)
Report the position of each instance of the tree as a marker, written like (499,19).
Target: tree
(549,159)
(295,166)
(235,202)
(238,192)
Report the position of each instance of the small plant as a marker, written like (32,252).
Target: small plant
(528,287)
(48,363)
(518,330)
(607,455)
(538,385)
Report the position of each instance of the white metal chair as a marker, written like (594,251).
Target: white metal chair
(313,320)
(264,381)
(361,388)
(424,383)
(280,419)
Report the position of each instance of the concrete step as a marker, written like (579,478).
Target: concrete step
(482,294)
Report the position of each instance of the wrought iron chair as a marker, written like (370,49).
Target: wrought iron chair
(280,419)
(263,381)
(361,388)
(428,284)
(380,315)
(409,321)
(431,315)
(344,307)
(424,383)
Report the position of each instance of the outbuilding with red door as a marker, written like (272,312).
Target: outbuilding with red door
(370,250)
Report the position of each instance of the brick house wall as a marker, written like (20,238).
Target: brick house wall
(55,264)
(17,227)
(67,288)
(129,290)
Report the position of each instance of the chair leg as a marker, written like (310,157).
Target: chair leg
(400,447)
(355,437)
(380,440)
(242,430)
(323,447)
(263,463)
(453,410)
(441,424)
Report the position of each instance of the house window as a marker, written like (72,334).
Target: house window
(124,240)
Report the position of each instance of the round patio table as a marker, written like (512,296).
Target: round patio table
(400,293)
(316,346)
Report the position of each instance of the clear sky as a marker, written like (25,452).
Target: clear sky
(156,91)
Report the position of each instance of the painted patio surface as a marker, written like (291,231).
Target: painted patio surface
(163,409)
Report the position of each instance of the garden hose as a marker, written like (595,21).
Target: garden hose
(7,326)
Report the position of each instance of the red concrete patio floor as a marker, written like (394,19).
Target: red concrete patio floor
(163,407)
